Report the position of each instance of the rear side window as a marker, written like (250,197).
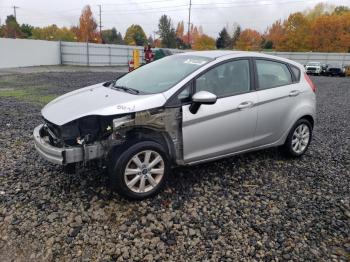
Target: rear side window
(296,73)
(272,74)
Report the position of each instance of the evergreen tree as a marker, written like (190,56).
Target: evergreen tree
(224,40)
(167,32)
(12,28)
(27,30)
(235,36)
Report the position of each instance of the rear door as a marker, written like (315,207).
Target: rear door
(274,91)
(228,125)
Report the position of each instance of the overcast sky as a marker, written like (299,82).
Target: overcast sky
(211,14)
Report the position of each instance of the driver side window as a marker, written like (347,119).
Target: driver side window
(227,79)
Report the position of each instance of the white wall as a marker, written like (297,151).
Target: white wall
(24,52)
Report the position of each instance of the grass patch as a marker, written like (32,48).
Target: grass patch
(28,95)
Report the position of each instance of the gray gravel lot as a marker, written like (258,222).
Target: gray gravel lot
(258,206)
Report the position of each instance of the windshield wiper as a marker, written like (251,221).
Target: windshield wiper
(127,89)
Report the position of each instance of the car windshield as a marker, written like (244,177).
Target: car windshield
(313,64)
(162,74)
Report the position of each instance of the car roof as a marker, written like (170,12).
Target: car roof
(215,54)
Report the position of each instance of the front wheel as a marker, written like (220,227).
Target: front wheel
(299,138)
(139,171)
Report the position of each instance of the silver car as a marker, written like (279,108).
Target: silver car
(184,109)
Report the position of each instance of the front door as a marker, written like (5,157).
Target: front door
(228,125)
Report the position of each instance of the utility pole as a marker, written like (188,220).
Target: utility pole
(14,11)
(99,6)
(189,23)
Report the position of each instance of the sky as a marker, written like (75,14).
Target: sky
(212,15)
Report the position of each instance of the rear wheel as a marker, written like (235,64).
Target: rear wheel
(299,138)
(139,171)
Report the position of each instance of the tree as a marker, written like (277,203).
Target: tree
(249,40)
(319,10)
(135,36)
(224,40)
(167,32)
(87,30)
(111,36)
(53,32)
(330,34)
(236,35)
(204,42)
(275,34)
(267,44)
(296,33)
(180,30)
(11,28)
(339,10)
(27,30)
(150,40)
(180,44)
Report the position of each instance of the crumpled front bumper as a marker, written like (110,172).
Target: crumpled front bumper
(66,155)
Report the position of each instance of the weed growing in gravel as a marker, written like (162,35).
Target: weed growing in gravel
(30,95)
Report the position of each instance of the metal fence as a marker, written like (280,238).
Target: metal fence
(325,58)
(73,53)
(88,54)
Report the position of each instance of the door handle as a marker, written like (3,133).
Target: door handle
(294,93)
(246,104)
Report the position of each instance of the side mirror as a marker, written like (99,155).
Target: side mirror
(202,97)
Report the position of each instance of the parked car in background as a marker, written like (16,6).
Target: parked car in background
(324,69)
(183,109)
(313,68)
(336,70)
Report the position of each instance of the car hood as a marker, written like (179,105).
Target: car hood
(97,100)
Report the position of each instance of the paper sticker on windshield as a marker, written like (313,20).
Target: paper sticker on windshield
(195,61)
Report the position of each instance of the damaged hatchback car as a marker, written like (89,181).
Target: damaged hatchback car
(181,110)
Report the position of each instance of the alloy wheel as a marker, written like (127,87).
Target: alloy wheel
(144,171)
(300,138)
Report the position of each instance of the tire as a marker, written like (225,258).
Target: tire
(143,180)
(296,145)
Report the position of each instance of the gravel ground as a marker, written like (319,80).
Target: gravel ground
(258,206)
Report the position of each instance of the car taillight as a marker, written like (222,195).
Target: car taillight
(309,81)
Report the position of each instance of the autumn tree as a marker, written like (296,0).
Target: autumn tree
(167,32)
(135,36)
(204,42)
(330,33)
(275,34)
(249,40)
(87,30)
(53,32)
(180,30)
(318,10)
(11,28)
(181,39)
(296,33)
(224,40)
